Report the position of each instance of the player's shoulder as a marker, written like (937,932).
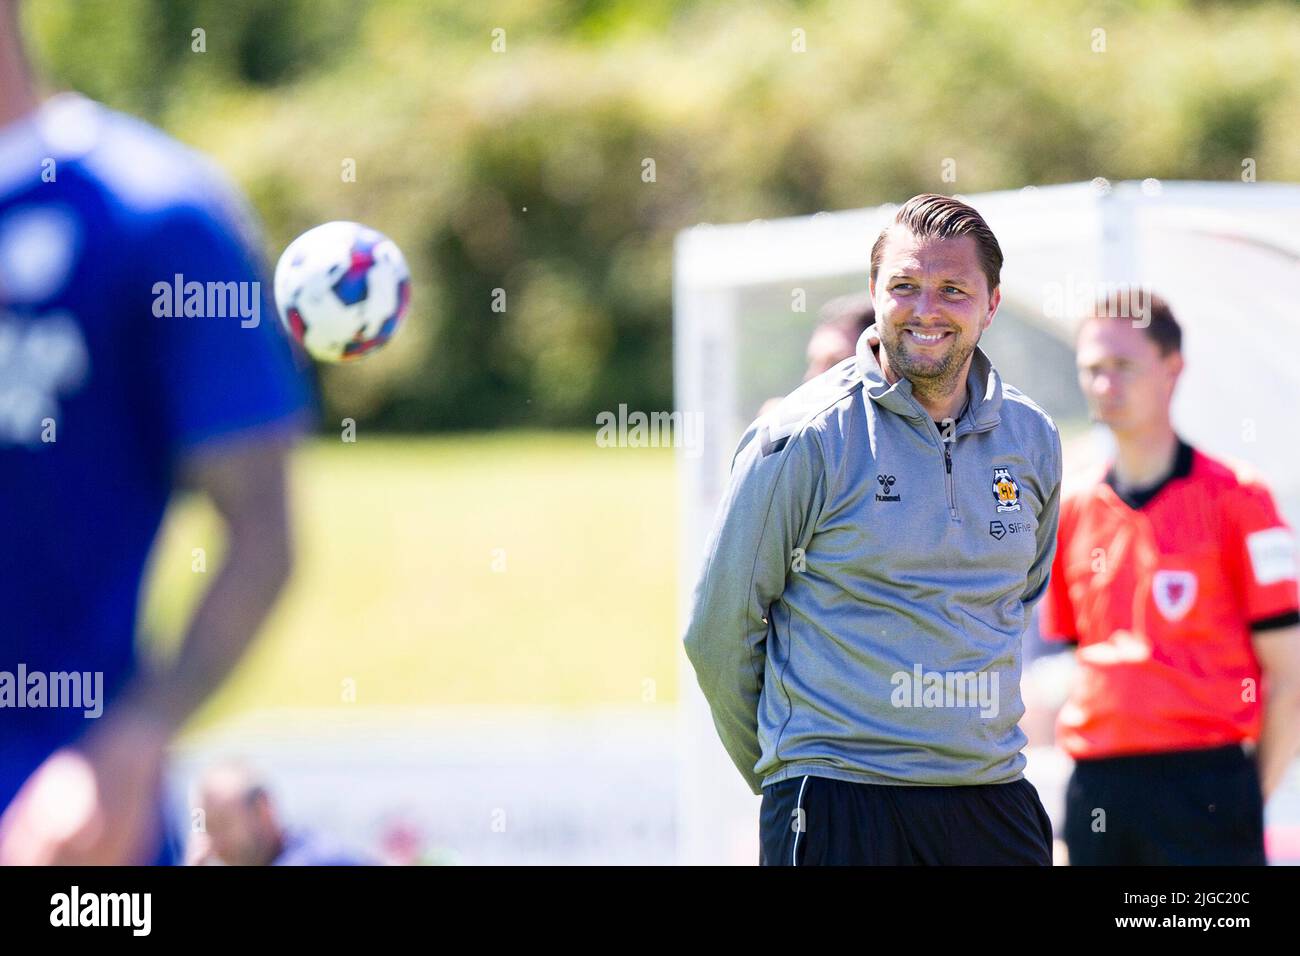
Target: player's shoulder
(818,403)
(1021,411)
(801,419)
(1033,432)
(1230,480)
(1082,486)
(141,171)
(1224,471)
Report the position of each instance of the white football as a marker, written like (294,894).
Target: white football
(342,290)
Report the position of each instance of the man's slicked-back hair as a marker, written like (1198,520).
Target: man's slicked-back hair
(931,216)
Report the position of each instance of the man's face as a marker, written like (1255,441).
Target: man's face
(932,305)
(1127,382)
(828,347)
(237,827)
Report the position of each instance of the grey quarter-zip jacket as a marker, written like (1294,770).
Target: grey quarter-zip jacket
(868,579)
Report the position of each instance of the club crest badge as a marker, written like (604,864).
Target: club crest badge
(1005,490)
(1174,592)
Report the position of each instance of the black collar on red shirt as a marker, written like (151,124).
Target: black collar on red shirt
(1141,497)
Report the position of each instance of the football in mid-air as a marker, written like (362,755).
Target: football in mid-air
(342,289)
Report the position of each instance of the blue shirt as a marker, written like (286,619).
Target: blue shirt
(103,389)
(304,848)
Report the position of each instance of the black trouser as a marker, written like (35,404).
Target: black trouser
(1183,808)
(807,821)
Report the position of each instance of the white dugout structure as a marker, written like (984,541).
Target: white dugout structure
(1225,255)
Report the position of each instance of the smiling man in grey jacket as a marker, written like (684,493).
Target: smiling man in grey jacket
(857,624)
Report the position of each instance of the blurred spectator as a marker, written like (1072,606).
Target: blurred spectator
(402,842)
(242,827)
(843,321)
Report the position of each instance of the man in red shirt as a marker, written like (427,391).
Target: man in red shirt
(1176,578)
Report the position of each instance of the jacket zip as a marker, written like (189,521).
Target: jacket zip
(947,454)
(947,461)
(947,451)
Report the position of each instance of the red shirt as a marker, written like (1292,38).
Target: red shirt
(1162,593)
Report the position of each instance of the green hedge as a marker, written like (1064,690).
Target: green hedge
(453,141)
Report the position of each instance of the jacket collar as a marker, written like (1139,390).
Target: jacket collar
(983,388)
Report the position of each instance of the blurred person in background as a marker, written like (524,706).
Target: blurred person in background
(109,402)
(242,827)
(404,842)
(842,322)
(1176,578)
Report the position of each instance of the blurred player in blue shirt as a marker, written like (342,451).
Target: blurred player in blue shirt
(109,401)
